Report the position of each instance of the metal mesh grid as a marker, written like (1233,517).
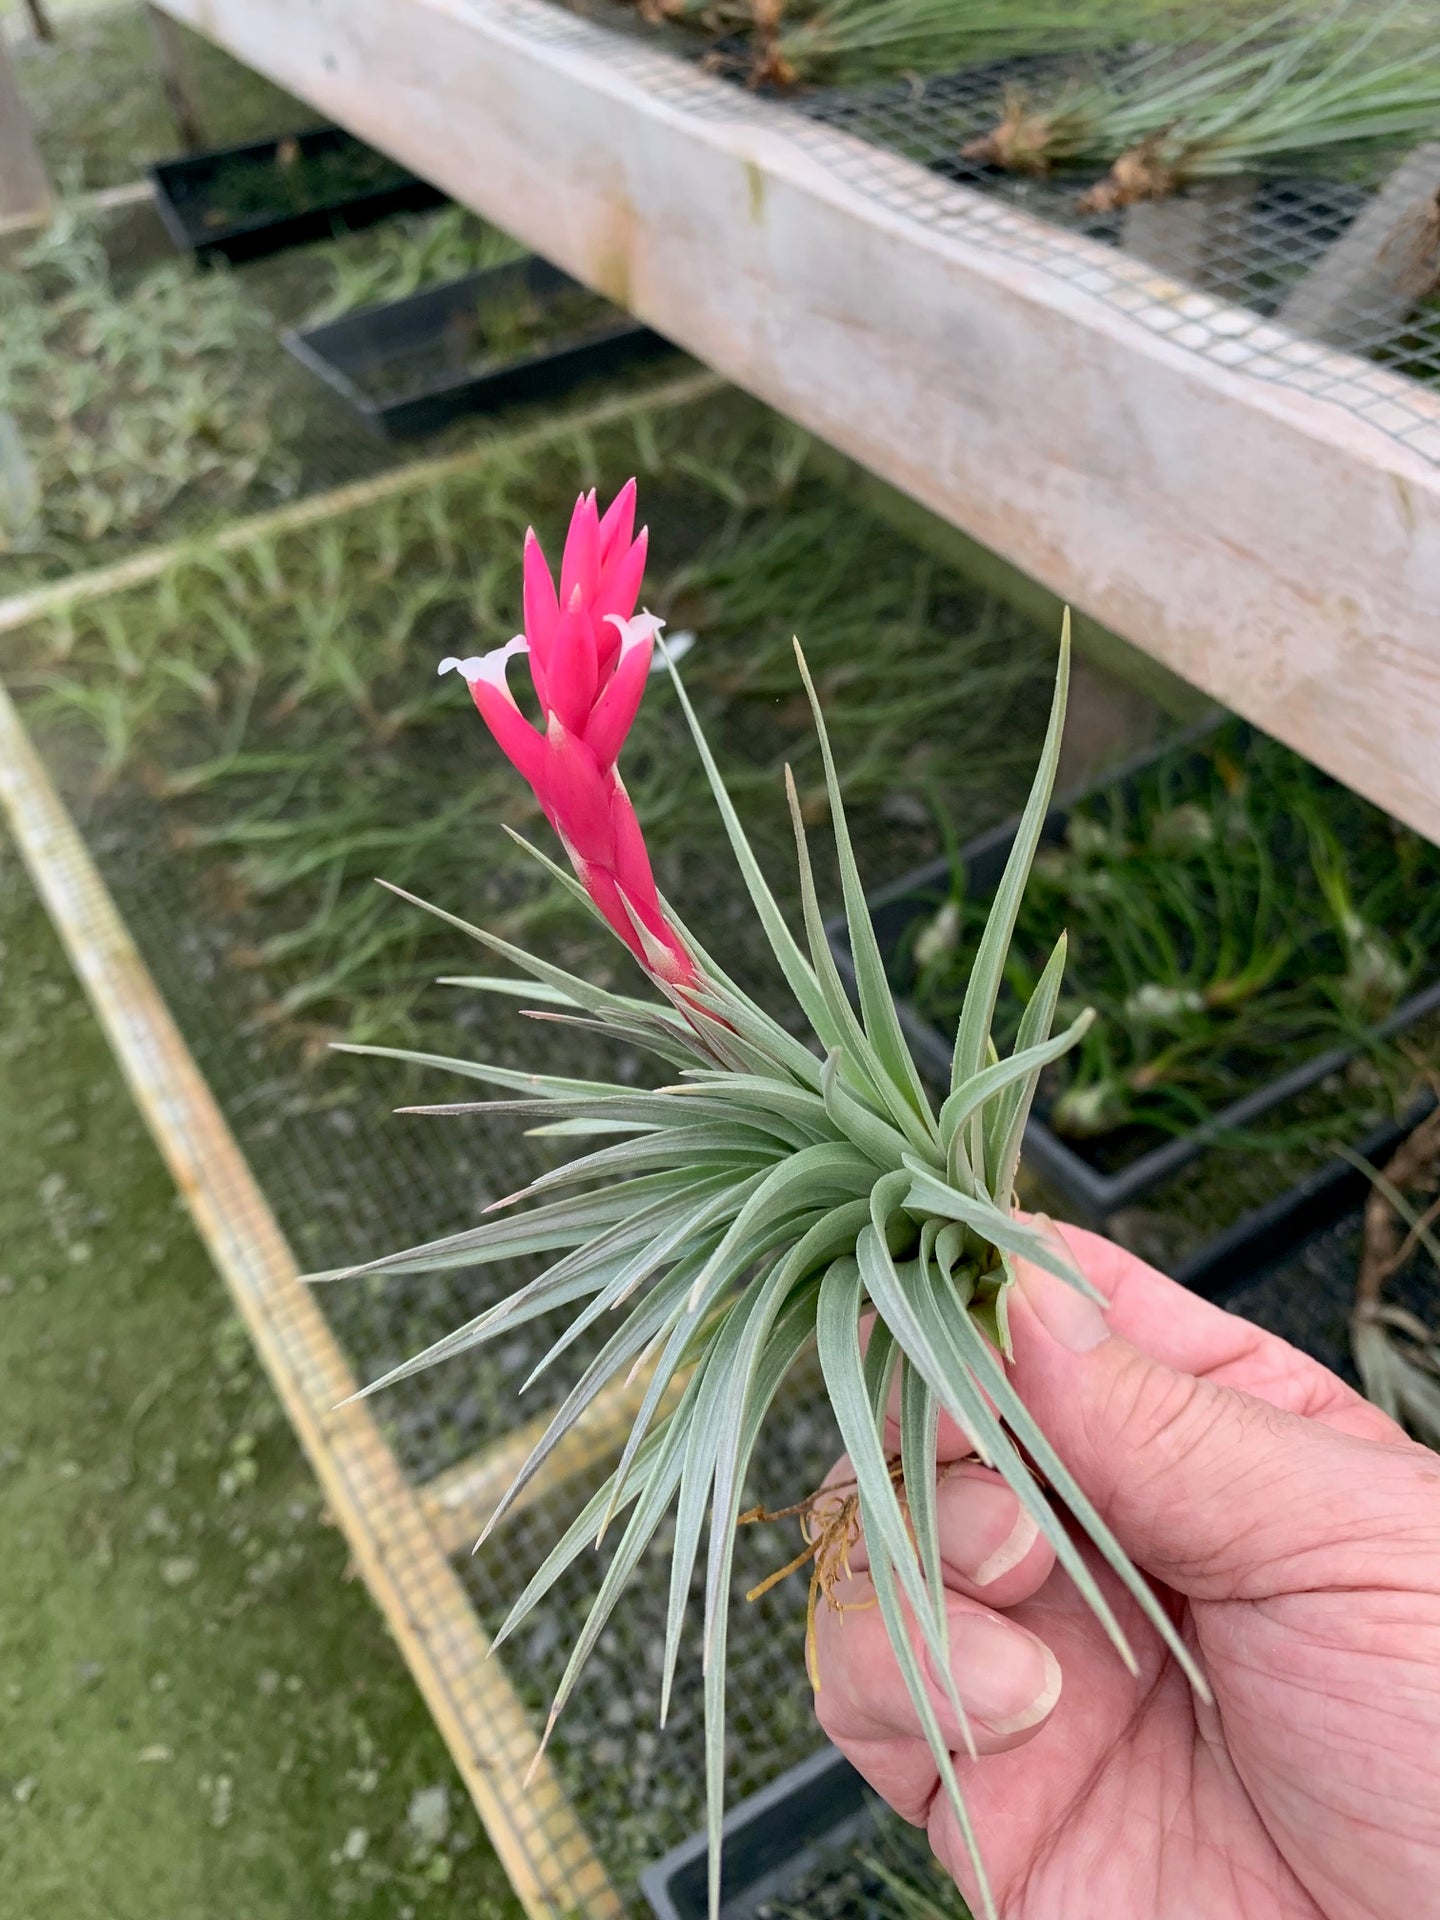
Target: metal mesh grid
(1328,285)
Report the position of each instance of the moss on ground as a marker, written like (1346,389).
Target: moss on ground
(202,1713)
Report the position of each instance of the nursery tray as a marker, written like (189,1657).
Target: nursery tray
(1259,1235)
(189,194)
(772,1841)
(365,356)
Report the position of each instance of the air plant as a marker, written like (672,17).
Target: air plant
(1286,88)
(786,1180)
(848,42)
(1397,1354)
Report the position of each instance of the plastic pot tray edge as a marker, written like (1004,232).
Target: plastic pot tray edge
(264,233)
(335,351)
(771,1841)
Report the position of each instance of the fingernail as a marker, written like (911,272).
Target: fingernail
(1006,1678)
(985,1529)
(1064,1312)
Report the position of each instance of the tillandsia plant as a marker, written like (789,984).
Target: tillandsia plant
(767,1198)
(1288,87)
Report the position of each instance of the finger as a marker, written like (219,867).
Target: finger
(1217,1492)
(1195,1336)
(990,1548)
(1008,1681)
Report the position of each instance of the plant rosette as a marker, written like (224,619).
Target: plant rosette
(766,1199)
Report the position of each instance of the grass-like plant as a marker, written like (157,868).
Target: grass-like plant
(399,257)
(128,405)
(272,695)
(788,1179)
(1290,88)
(1230,911)
(791,43)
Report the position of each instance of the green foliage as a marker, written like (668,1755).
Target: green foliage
(1293,87)
(767,1197)
(99,109)
(282,697)
(1230,914)
(404,256)
(130,404)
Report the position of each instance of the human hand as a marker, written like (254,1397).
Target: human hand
(1294,1533)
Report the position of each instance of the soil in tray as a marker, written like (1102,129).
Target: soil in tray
(287,181)
(495,333)
(1230,913)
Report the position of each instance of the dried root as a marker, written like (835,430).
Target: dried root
(1140,174)
(1020,143)
(830,1526)
(1398,1356)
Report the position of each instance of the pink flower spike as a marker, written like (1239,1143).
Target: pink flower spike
(578,796)
(602,889)
(580,566)
(619,590)
(618,524)
(542,609)
(572,671)
(631,858)
(614,712)
(522,746)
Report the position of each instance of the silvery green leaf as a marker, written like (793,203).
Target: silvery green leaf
(863,1390)
(974,1094)
(877,1004)
(508,988)
(972,1038)
(931,1194)
(664,1300)
(647,1472)
(544,1085)
(919,1432)
(1005,1132)
(874,1137)
(561,1223)
(792,961)
(837,1332)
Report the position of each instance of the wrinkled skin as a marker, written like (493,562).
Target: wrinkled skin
(1294,1534)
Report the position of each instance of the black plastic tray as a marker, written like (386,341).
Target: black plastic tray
(340,351)
(772,1841)
(1258,1236)
(183,190)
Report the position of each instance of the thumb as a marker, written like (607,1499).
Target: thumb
(1219,1494)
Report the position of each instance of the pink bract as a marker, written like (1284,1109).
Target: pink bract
(589,655)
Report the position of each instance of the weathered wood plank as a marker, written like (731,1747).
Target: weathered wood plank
(1042,392)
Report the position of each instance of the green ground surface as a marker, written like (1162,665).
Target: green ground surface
(202,1714)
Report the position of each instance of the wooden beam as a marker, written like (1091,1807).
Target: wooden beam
(545,1850)
(24,185)
(1099,426)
